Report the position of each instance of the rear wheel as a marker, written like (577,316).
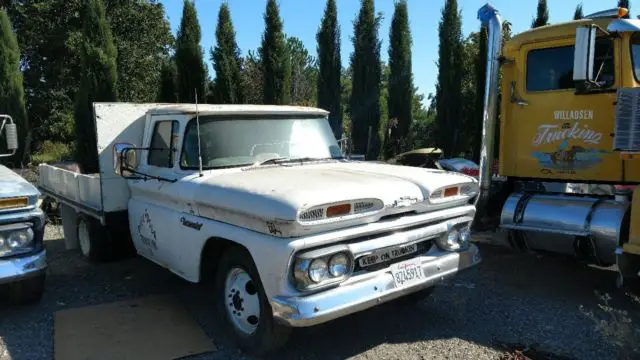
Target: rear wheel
(93,240)
(28,291)
(243,307)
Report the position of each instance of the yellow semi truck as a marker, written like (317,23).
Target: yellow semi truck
(569,119)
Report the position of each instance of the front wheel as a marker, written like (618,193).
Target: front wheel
(243,306)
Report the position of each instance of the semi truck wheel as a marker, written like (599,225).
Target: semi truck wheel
(28,291)
(92,239)
(243,307)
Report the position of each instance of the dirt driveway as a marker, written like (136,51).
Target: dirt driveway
(509,298)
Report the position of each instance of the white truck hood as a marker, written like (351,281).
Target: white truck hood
(270,198)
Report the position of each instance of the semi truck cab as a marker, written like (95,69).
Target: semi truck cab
(570,120)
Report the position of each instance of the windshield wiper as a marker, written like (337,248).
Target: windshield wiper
(280,160)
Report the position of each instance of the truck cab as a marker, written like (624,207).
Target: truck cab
(22,254)
(260,201)
(569,120)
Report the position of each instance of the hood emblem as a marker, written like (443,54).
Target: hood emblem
(404,202)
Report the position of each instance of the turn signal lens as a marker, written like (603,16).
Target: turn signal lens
(13,203)
(337,210)
(622,12)
(452,191)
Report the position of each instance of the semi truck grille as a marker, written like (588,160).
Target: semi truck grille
(627,129)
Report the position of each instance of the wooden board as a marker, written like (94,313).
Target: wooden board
(155,327)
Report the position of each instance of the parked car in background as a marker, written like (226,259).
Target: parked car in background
(22,255)
(460,165)
(432,158)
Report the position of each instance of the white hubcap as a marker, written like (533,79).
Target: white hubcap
(242,301)
(83,238)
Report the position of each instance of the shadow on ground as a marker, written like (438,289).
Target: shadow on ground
(508,298)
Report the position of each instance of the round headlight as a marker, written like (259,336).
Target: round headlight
(450,241)
(318,270)
(338,265)
(20,238)
(1,241)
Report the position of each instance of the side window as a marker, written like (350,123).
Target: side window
(552,68)
(163,143)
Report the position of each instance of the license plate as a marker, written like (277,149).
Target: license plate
(386,255)
(407,272)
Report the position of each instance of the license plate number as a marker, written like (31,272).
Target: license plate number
(407,272)
(386,255)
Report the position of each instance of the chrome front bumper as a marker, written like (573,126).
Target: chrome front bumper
(366,290)
(19,268)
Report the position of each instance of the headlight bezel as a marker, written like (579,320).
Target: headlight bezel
(302,262)
(461,229)
(8,233)
(464,191)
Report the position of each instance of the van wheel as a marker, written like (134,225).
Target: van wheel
(92,239)
(242,304)
(28,291)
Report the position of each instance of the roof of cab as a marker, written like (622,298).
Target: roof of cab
(554,31)
(209,109)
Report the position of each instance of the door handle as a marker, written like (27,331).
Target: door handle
(514,97)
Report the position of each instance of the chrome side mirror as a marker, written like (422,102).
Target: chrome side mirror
(11,130)
(584,56)
(125,159)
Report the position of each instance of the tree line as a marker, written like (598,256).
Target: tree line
(59,56)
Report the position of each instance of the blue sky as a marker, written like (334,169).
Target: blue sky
(302,18)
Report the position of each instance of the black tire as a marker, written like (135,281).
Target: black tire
(99,247)
(28,291)
(268,335)
(415,297)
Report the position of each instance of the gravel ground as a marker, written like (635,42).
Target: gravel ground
(508,298)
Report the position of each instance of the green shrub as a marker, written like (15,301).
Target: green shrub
(50,151)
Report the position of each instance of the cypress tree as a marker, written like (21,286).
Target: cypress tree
(97,80)
(167,92)
(226,60)
(542,16)
(625,4)
(578,14)
(276,67)
(400,84)
(364,102)
(190,68)
(449,87)
(330,64)
(12,101)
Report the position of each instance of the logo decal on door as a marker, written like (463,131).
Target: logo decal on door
(146,232)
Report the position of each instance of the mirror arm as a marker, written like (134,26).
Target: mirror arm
(141,175)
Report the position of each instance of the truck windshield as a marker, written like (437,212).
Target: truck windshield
(246,141)
(635,55)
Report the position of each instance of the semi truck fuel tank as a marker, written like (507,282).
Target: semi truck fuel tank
(583,226)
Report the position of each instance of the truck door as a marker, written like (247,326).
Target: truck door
(551,131)
(153,203)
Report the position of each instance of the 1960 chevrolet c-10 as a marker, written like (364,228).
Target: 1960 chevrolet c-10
(261,199)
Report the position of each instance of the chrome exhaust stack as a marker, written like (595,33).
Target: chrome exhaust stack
(489,17)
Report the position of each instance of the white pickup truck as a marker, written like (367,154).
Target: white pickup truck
(260,200)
